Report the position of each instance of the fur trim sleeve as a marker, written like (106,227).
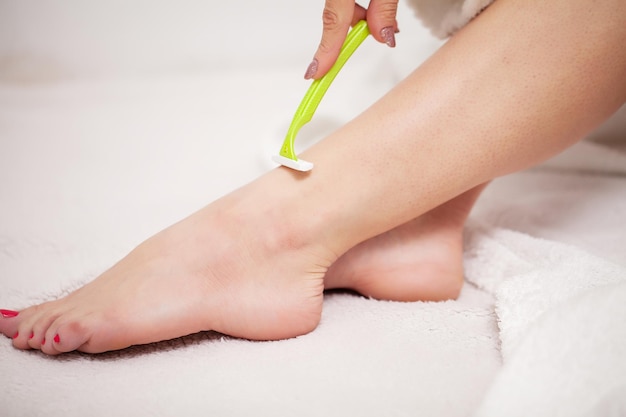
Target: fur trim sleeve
(444,17)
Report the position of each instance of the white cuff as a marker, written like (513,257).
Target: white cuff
(444,17)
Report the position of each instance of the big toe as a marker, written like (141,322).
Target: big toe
(9,322)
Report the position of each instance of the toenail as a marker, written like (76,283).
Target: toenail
(57,339)
(7,314)
(32,334)
(16,335)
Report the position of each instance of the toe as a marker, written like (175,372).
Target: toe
(66,335)
(48,346)
(29,327)
(20,340)
(9,322)
(39,329)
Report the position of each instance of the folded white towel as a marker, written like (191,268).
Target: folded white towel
(560,294)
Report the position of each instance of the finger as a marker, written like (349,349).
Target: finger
(360,13)
(381,19)
(337,17)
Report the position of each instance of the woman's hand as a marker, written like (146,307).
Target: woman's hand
(337,18)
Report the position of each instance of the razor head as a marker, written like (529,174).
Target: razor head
(297,164)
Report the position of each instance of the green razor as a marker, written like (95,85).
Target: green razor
(313,97)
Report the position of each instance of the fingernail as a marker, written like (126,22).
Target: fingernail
(32,334)
(57,339)
(16,335)
(311,70)
(7,314)
(389,36)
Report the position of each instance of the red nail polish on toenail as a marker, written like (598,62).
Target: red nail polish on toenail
(57,339)
(16,335)
(7,314)
(32,334)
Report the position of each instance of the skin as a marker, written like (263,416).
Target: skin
(523,81)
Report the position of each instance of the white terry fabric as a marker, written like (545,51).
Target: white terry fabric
(96,159)
(553,257)
(445,17)
(92,168)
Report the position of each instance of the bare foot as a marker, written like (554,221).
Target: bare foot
(421,260)
(246,269)
(223,268)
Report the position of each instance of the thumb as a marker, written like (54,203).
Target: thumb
(381,19)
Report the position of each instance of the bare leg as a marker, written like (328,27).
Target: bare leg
(522,82)
(421,260)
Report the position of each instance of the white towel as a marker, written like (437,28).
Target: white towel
(561,307)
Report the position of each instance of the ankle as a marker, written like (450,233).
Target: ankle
(280,215)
